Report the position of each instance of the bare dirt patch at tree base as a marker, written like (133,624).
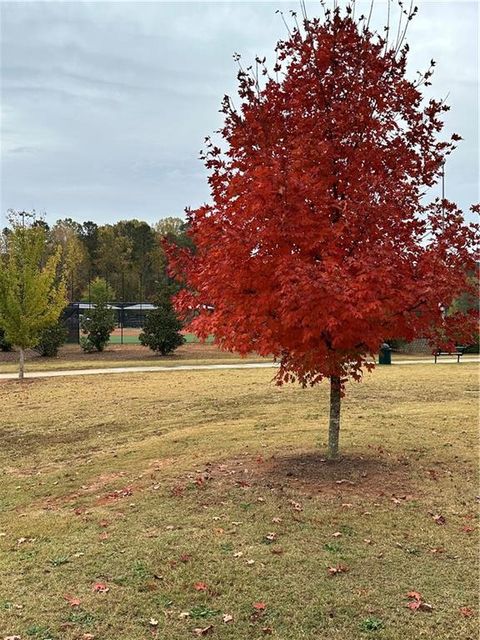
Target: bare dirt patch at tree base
(311,474)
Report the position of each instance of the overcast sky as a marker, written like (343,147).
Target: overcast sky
(105,105)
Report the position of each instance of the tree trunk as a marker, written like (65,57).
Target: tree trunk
(21,364)
(334,426)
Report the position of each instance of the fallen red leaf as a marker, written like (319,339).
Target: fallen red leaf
(120,493)
(185,557)
(466,612)
(296,505)
(416,603)
(100,587)
(177,490)
(203,632)
(72,601)
(340,568)
(200,586)
(438,518)
(259,606)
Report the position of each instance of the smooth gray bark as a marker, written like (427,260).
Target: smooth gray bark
(334,426)
(21,364)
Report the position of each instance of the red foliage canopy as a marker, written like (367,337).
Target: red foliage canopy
(317,244)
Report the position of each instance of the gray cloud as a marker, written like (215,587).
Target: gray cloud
(105,105)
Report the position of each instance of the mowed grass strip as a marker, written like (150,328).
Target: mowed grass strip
(71,356)
(195,495)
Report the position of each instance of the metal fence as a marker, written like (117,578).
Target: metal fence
(129,320)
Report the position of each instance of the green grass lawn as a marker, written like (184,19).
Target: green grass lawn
(117,339)
(192,496)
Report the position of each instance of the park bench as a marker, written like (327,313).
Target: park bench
(458,353)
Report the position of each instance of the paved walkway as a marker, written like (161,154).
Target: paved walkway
(194,367)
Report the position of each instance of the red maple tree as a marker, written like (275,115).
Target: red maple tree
(318,244)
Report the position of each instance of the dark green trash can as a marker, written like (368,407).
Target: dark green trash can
(385,355)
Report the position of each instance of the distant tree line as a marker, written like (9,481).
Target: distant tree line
(128,255)
(44,267)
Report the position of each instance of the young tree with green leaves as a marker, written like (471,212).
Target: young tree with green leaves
(99,291)
(32,292)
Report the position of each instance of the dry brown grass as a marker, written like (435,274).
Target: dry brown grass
(152,483)
(71,356)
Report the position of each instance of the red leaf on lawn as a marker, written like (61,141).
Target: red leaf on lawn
(259,606)
(468,529)
(177,490)
(340,568)
(466,612)
(185,557)
(203,632)
(296,505)
(72,601)
(417,603)
(270,537)
(200,586)
(100,587)
(119,493)
(439,519)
